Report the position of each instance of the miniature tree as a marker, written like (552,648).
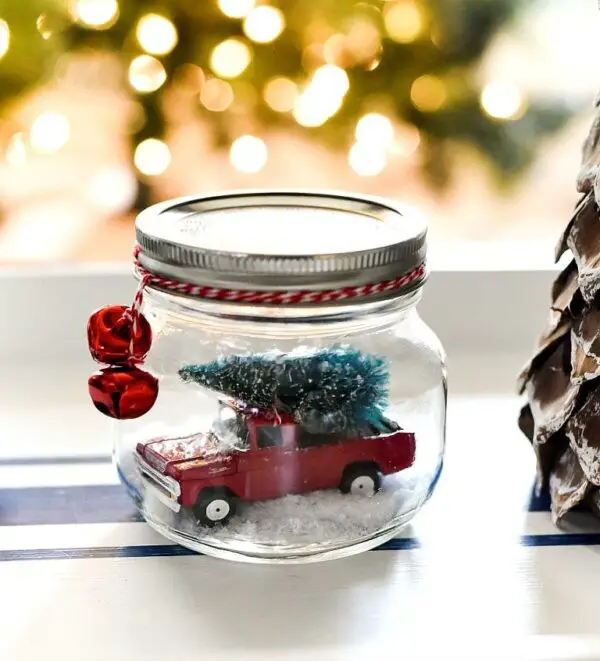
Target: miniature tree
(336,389)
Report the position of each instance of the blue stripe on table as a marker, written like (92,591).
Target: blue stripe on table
(95,504)
(173,550)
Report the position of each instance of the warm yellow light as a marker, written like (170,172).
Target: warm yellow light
(502,100)
(403,21)
(375,129)
(331,79)
(264,24)
(366,160)
(49,132)
(407,141)
(42,24)
(428,93)
(230,58)
(152,157)
(313,108)
(216,95)
(146,74)
(156,34)
(16,151)
(280,94)
(236,8)
(248,154)
(4,37)
(98,14)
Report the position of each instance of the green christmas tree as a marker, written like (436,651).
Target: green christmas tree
(348,73)
(337,389)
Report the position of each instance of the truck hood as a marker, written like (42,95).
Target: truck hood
(195,450)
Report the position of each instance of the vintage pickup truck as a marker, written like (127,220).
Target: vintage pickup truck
(277,457)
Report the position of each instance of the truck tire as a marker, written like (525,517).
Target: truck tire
(361,479)
(215,506)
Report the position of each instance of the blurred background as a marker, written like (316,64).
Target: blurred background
(472,110)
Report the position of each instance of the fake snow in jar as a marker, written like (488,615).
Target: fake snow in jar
(280,398)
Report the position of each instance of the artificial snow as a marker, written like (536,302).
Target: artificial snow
(319,517)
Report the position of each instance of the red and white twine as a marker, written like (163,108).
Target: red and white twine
(268,297)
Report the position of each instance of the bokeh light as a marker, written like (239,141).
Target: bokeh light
(375,129)
(264,24)
(280,94)
(322,97)
(216,95)
(248,154)
(97,14)
(367,160)
(43,25)
(146,74)
(403,21)
(230,58)
(4,37)
(152,157)
(502,100)
(16,151)
(428,93)
(331,79)
(156,34)
(236,8)
(49,132)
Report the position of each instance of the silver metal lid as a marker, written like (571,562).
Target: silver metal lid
(281,240)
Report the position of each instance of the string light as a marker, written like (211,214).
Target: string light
(236,8)
(42,24)
(230,58)
(502,100)
(264,24)
(156,34)
(403,21)
(280,94)
(216,95)
(323,96)
(152,157)
(146,74)
(375,129)
(16,151)
(248,154)
(428,93)
(97,14)
(4,37)
(49,132)
(335,49)
(407,141)
(366,160)
(331,79)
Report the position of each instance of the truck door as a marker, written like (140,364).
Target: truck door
(272,465)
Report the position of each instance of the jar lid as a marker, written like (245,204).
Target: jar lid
(283,246)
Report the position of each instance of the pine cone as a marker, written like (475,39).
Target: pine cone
(562,379)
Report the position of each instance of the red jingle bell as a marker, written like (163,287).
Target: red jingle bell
(123,392)
(110,331)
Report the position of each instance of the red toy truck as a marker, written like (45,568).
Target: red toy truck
(279,457)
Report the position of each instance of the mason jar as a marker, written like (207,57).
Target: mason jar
(302,400)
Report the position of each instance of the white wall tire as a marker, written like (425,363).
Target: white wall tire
(217,510)
(362,485)
(361,480)
(215,506)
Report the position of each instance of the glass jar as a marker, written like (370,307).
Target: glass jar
(302,403)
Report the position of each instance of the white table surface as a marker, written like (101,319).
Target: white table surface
(483,572)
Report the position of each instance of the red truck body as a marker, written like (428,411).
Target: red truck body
(280,458)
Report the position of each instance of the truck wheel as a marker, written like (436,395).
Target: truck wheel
(215,506)
(361,479)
